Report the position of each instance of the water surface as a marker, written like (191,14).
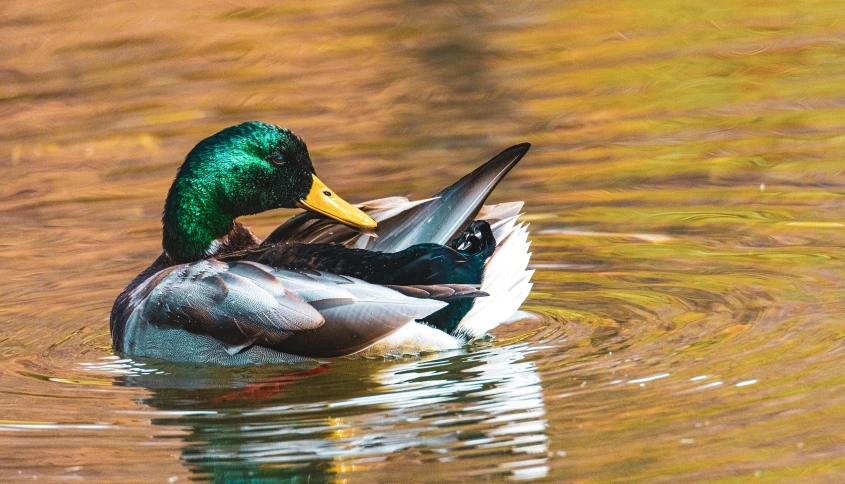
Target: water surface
(685,192)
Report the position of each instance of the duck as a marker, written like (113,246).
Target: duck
(383,278)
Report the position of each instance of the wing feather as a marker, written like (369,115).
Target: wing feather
(368,314)
(242,304)
(238,304)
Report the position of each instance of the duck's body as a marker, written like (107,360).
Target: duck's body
(315,288)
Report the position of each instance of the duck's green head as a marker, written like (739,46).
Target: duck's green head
(245,169)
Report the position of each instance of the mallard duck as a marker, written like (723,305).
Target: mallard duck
(386,277)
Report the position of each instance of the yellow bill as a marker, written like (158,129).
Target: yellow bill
(324,201)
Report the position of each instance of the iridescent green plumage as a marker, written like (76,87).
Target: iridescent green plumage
(245,169)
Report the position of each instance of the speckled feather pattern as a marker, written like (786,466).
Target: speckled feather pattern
(226,309)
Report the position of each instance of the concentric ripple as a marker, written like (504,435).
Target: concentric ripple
(685,198)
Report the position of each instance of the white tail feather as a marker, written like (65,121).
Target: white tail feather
(505,277)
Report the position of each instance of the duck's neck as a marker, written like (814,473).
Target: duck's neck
(194,222)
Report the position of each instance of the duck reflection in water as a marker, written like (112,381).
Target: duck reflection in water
(327,422)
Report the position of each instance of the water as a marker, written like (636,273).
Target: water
(685,192)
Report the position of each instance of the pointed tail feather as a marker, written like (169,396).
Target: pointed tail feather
(451,210)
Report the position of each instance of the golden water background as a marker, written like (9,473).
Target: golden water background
(686,192)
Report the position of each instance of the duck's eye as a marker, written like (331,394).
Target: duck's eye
(278,160)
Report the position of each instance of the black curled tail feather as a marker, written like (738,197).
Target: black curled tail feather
(476,241)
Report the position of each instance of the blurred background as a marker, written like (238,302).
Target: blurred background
(685,191)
